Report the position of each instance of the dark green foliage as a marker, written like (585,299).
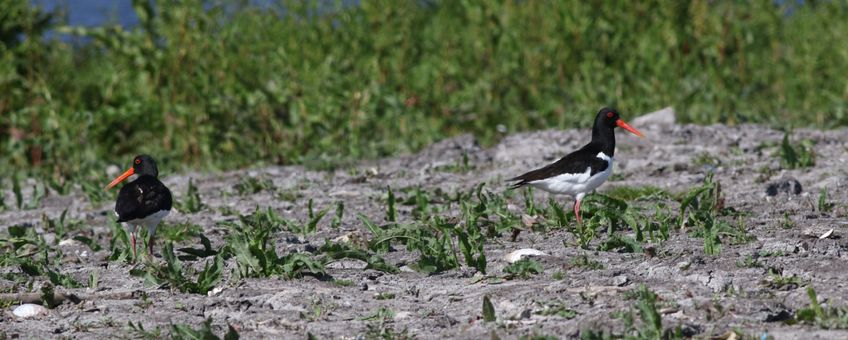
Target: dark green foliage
(488,310)
(700,209)
(340,251)
(174,275)
(827,318)
(191,202)
(650,326)
(251,243)
(198,85)
(185,332)
(796,156)
(523,269)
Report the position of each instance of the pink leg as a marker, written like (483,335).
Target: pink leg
(132,238)
(577,211)
(150,246)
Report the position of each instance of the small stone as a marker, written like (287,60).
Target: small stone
(665,116)
(528,221)
(785,185)
(363,286)
(620,280)
(29,310)
(69,243)
(521,253)
(215,291)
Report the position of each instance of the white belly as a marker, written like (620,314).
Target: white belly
(576,184)
(150,221)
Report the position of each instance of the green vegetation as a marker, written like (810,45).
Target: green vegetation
(796,156)
(173,274)
(827,318)
(523,269)
(191,202)
(200,86)
(488,310)
(185,332)
(651,326)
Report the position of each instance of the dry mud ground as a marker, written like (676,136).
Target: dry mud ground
(705,295)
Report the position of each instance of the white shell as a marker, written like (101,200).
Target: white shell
(29,310)
(519,254)
(826,234)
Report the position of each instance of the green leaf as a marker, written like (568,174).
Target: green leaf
(488,310)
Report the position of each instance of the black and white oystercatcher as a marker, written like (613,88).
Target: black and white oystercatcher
(582,171)
(144,201)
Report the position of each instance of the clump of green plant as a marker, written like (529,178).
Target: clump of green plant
(609,212)
(827,318)
(631,193)
(706,159)
(61,226)
(488,310)
(251,243)
(651,326)
(380,326)
(700,209)
(796,156)
(338,216)
(192,202)
(556,308)
(311,225)
(178,232)
(195,253)
(38,193)
(138,331)
(437,238)
(335,251)
(786,222)
(749,262)
(249,185)
(776,280)
(462,166)
(186,332)
(824,206)
(583,261)
(120,244)
(25,248)
(174,275)
(523,269)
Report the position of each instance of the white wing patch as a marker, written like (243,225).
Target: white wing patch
(576,184)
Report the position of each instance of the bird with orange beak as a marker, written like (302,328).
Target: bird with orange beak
(584,170)
(144,201)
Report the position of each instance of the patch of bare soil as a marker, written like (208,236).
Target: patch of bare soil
(705,295)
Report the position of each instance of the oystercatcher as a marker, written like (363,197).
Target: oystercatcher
(144,201)
(582,171)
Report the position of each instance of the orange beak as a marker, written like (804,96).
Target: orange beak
(629,128)
(120,178)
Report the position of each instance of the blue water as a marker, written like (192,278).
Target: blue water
(92,12)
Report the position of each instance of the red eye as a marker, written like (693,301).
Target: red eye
(137,161)
(610,114)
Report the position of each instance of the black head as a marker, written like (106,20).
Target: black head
(609,118)
(142,165)
(145,165)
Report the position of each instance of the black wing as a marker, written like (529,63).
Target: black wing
(573,163)
(142,197)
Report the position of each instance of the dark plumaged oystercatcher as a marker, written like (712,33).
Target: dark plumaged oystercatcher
(144,201)
(582,171)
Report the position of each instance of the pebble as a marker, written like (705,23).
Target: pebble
(521,253)
(29,310)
